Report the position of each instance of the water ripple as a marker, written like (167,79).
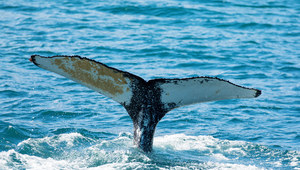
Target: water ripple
(45,118)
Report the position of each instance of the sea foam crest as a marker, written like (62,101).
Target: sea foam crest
(75,151)
(205,144)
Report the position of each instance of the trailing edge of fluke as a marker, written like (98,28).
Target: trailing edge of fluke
(145,101)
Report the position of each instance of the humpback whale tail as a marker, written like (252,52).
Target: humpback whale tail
(145,101)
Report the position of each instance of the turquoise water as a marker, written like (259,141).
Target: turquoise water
(50,122)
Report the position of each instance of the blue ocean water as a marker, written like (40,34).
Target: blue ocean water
(50,122)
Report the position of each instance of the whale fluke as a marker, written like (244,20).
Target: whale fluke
(113,83)
(145,101)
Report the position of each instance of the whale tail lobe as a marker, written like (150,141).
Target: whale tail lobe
(145,102)
(111,82)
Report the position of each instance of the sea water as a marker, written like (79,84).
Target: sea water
(50,122)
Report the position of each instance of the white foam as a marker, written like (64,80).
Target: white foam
(113,166)
(170,152)
(295,161)
(54,140)
(14,160)
(230,166)
(200,143)
(206,147)
(219,156)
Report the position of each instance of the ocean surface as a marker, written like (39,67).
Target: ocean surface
(50,122)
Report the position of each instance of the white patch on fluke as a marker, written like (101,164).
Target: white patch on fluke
(189,91)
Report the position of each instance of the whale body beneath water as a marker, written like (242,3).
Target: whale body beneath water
(146,102)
